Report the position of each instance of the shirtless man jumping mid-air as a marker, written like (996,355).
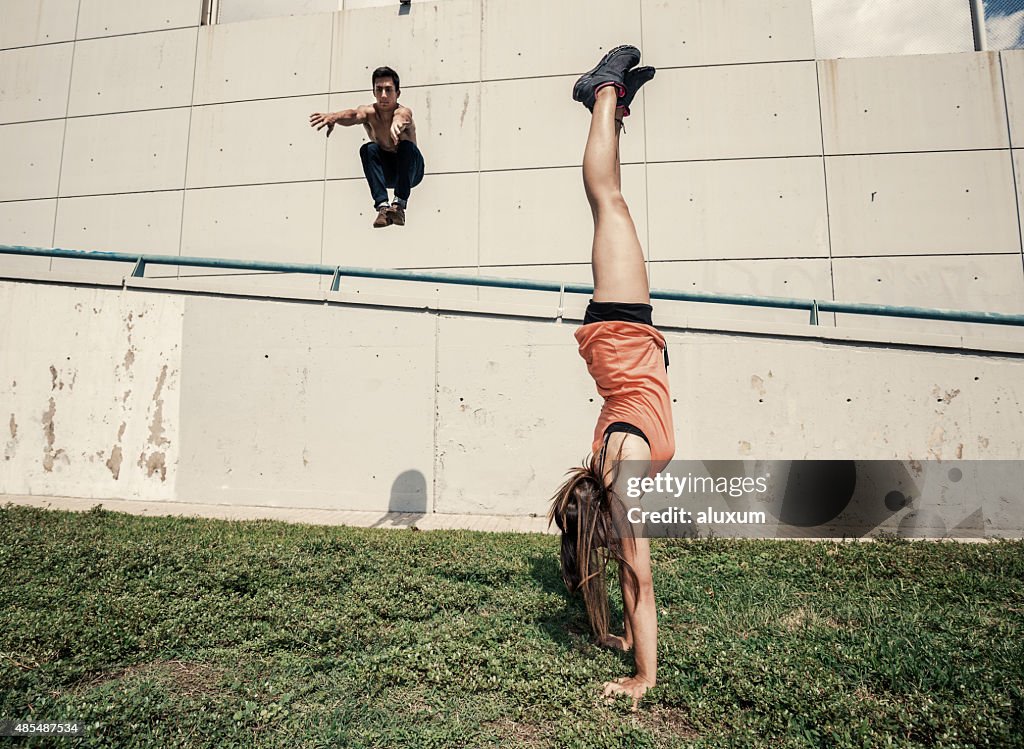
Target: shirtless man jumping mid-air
(391,158)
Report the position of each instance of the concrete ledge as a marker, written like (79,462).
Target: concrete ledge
(394,520)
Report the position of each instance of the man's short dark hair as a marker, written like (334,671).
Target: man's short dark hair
(385,72)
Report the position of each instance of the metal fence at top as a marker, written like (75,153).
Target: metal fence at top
(337,272)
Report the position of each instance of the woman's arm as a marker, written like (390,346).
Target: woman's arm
(641,624)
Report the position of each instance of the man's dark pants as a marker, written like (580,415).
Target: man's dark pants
(401,170)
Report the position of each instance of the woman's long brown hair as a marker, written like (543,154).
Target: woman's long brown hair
(585,508)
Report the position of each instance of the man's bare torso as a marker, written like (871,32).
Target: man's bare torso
(378,127)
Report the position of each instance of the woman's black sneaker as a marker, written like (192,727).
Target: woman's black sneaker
(611,69)
(633,80)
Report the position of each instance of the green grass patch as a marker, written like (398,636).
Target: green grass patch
(171,632)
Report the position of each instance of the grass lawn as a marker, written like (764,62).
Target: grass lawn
(163,632)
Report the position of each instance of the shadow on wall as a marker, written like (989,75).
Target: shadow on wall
(408,500)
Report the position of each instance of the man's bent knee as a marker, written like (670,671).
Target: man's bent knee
(369,149)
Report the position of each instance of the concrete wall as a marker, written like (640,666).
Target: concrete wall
(750,166)
(346,402)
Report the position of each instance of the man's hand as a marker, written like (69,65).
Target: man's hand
(397,126)
(632,686)
(321,119)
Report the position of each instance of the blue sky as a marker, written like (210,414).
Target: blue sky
(863,28)
(1004,22)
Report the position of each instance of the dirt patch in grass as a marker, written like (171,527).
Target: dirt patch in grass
(667,721)
(803,616)
(184,678)
(521,734)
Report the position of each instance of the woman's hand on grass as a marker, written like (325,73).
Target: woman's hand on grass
(633,687)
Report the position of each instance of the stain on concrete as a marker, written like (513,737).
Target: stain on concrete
(129,359)
(53,377)
(114,461)
(50,456)
(124,398)
(12,444)
(465,108)
(152,464)
(156,461)
(757,384)
(936,441)
(156,426)
(744,447)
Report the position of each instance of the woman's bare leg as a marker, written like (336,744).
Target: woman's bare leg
(617,259)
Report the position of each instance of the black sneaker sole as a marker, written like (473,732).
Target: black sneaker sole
(578,91)
(634,81)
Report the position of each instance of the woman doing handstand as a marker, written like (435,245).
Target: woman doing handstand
(626,357)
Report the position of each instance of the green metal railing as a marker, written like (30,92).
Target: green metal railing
(813,306)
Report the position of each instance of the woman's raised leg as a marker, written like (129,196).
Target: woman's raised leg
(617,259)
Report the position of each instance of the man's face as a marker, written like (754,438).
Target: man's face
(385,93)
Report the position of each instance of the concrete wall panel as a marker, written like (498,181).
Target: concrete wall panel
(94,410)
(130,152)
(255,141)
(728,31)
(803,279)
(308,406)
(28,223)
(30,154)
(138,71)
(515,410)
(34,82)
(759,208)
(435,42)
(535,123)
(518,208)
(263,222)
(903,204)
(540,38)
(793,400)
(263,59)
(447,130)
(733,111)
(1013,76)
(28,22)
(146,223)
(1018,169)
(112,17)
(987,283)
(441,225)
(912,103)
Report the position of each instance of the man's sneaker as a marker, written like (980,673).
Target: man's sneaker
(383,217)
(611,69)
(633,80)
(396,214)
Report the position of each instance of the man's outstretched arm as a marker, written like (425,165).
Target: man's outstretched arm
(345,117)
(400,122)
